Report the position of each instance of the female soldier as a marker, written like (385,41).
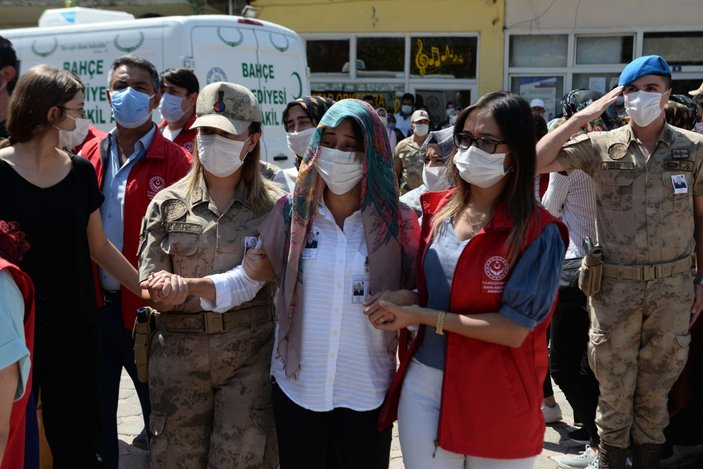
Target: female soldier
(209,372)
(488,273)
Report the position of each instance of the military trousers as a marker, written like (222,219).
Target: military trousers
(211,397)
(638,345)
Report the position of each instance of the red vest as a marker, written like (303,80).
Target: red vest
(186,137)
(491,394)
(14,452)
(163,164)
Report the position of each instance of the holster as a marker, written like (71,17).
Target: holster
(591,271)
(144,328)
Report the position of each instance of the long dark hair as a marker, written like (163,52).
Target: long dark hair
(514,119)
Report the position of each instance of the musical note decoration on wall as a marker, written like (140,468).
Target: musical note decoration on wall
(434,61)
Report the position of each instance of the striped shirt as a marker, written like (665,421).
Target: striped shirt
(573,199)
(344,360)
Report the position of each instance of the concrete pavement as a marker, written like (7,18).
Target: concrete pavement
(555,441)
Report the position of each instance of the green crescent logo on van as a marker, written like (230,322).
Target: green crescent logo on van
(45,53)
(300,85)
(234,43)
(279,48)
(129,49)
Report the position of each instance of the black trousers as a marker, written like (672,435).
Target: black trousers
(117,352)
(66,369)
(338,439)
(568,360)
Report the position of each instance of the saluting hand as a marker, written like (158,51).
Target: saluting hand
(597,107)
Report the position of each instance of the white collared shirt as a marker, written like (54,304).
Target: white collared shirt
(344,359)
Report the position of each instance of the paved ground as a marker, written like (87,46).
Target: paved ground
(555,442)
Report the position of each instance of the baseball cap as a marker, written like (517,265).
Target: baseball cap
(226,106)
(696,92)
(419,115)
(537,102)
(646,65)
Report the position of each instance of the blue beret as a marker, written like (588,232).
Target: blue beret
(647,65)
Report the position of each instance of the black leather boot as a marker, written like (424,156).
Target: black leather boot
(646,456)
(612,457)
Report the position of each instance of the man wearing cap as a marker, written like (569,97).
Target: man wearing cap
(133,163)
(537,106)
(406,158)
(648,229)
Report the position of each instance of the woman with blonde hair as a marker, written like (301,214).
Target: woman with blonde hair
(55,197)
(470,387)
(209,381)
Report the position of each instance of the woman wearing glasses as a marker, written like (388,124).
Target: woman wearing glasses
(55,197)
(469,389)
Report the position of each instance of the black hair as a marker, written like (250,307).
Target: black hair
(8,56)
(408,96)
(181,77)
(134,61)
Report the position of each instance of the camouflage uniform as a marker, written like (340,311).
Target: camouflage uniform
(208,372)
(408,164)
(639,321)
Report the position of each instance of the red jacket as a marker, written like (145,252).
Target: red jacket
(163,164)
(186,138)
(491,394)
(14,451)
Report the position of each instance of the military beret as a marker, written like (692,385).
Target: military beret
(646,65)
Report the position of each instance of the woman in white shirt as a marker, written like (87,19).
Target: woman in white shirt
(339,240)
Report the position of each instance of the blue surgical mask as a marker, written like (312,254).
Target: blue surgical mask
(170,107)
(130,107)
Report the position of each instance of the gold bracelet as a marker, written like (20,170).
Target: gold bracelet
(439,327)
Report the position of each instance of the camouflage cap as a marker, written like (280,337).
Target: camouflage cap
(227,107)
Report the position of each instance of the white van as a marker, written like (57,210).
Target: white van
(267,58)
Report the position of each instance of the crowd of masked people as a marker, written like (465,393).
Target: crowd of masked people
(292,316)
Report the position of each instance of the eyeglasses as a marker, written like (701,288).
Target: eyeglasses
(81,112)
(463,141)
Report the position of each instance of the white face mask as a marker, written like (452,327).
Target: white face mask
(69,139)
(384,119)
(220,155)
(643,107)
(298,141)
(480,168)
(339,169)
(421,129)
(406,109)
(435,178)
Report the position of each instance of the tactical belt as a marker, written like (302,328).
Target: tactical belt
(209,322)
(648,272)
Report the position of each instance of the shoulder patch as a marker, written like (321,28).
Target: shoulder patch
(617,151)
(173,209)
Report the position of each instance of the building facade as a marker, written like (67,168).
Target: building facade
(443,51)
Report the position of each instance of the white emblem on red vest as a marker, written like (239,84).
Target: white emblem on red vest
(496,268)
(157,183)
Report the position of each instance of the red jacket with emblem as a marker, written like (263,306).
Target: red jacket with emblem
(163,164)
(491,393)
(186,137)
(14,450)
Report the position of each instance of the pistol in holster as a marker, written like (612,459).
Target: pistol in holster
(591,270)
(144,329)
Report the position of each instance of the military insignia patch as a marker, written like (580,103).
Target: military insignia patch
(174,209)
(219,105)
(617,165)
(617,151)
(679,153)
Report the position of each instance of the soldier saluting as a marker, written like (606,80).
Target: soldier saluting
(649,188)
